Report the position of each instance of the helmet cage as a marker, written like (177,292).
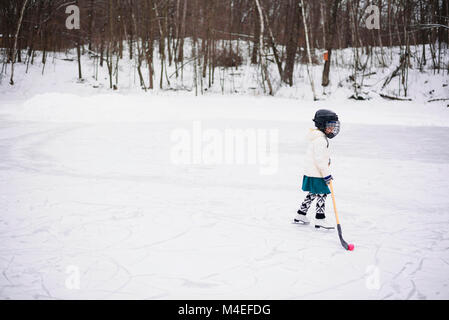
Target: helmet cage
(334,125)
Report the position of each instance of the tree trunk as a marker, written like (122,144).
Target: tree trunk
(273,47)
(194,52)
(110,41)
(255,50)
(292,42)
(16,36)
(262,52)
(308,51)
(78,53)
(331,27)
(91,20)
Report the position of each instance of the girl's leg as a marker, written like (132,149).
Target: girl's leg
(307,203)
(321,206)
(320,217)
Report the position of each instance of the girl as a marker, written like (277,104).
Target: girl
(317,161)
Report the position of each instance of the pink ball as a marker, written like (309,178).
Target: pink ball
(350,247)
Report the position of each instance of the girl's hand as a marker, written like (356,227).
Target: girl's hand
(328,179)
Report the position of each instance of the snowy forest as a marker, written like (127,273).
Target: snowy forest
(164,149)
(272,36)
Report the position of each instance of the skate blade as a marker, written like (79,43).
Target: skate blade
(326,228)
(301,223)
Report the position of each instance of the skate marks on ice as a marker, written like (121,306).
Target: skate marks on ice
(407,254)
(93,203)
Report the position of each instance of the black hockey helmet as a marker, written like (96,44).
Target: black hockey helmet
(327,119)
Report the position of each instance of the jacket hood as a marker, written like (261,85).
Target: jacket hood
(314,134)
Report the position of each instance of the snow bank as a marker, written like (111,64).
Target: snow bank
(116,107)
(61,75)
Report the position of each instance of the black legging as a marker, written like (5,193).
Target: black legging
(320,204)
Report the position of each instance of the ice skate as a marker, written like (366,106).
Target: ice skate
(323,224)
(301,218)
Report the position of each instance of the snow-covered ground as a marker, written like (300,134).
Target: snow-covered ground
(90,188)
(95,202)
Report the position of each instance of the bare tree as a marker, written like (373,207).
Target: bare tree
(262,51)
(293,24)
(330,32)
(19,25)
(309,66)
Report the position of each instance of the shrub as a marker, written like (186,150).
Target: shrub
(227,59)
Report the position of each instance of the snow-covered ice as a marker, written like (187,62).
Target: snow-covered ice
(89,192)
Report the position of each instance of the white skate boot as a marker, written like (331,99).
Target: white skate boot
(301,219)
(323,224)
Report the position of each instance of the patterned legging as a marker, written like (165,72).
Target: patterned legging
(320,204)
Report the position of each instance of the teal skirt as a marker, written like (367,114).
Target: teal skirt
(315,185)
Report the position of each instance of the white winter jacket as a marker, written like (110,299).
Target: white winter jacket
(317,159)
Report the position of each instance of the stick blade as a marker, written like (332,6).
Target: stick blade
(345,245)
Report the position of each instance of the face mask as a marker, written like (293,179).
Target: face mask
(335,126)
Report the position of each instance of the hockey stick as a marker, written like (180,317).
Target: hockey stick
(345,245)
